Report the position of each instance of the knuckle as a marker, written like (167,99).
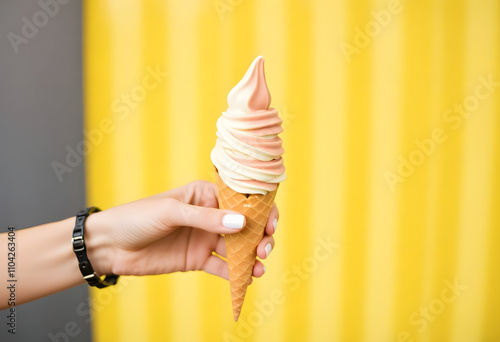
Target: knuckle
(198,184)
(171,203)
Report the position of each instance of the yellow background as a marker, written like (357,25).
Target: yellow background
(347,122)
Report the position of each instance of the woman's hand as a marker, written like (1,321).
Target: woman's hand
(178,230)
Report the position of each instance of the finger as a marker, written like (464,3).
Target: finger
(272,222)
(216,266)
(209,219)
(220,247)
(265,247)
(258,269)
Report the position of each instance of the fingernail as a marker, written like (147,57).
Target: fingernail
(268,249)
(233,221)
(264,267)
(275,224)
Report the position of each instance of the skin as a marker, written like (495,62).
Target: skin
(175,231)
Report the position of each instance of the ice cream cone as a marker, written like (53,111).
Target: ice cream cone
(241,247)
(249,166)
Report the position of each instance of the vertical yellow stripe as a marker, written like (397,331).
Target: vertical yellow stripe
(97,100)
(433,201)
(128,102)
(356,191)
(490,326)
(327,215)
(183,57)
(153,44)
(386,119)
(450,172)
(478,146)
(412,194)
(295,231)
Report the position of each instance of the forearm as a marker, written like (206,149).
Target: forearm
(45,262)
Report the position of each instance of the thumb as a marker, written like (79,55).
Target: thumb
(209,219)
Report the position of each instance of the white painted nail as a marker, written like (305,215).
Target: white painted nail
(233,221)
(264,267)
(268,249)
(275,224)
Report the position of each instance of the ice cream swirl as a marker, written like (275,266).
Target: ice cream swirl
(248,151)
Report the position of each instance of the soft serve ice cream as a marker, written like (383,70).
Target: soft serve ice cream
(248,150)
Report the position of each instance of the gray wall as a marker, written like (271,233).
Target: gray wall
(40,114)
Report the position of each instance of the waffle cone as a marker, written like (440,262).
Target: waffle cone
(241,247)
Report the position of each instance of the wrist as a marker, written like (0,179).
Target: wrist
(98,244)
